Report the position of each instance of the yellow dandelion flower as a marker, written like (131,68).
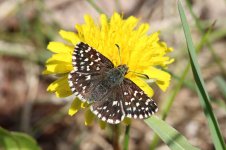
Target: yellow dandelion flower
(120,40)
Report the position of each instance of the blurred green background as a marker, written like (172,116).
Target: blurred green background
(26,27)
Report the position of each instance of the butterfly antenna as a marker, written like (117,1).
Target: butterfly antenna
(119,53)
(141,74)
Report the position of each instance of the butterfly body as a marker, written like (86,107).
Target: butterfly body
(111,79)
(113,97)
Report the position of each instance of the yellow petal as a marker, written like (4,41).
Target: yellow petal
(89,117)
(69,36)
(127,121)
(60,58)
(170,49)
(143,29)
(58,68)
(104,24)
(61,93)
(154,38)
(60,87)
(169,62)
(59,82)
(84,105)
(155,61)
(102,124)
(75,107)
(58,47)
(130,23)
(115,19)
(89,21)
(162,78)
(45,72)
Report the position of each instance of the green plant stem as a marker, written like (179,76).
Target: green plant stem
(202,30)
(94,5)
(126,139)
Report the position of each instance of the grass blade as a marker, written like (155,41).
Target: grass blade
(169,135)
(204,98)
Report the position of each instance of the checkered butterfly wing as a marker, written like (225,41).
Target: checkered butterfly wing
(136,104)
(89,68)
(110,110)
(125,100)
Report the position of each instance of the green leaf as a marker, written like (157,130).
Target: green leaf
(6,140)
(169,135)
(204,97)
(16,141)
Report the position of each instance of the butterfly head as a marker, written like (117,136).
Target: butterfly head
(123,69)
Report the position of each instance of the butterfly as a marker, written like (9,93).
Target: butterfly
(111,95)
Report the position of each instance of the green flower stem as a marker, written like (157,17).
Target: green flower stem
(126,139)
(94,5)
(202,30)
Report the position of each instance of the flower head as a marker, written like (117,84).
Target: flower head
(142,53)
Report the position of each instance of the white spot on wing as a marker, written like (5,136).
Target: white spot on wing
(110,121)
(129,115)
(73,57)
(88,77)
(104,118)
(87,68)
(98,68)
(135,93)
(141,116)
(115,103)
(117,121)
